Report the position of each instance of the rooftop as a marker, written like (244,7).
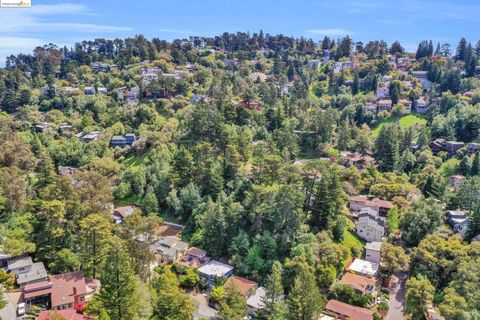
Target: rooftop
(20,263)
(215,268)
(37,271)
(375,246)
(243,285)
(347,310)
(363,267)
(357,282)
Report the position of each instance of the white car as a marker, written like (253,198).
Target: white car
(21,309)
(381,299)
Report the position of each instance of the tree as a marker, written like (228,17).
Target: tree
(421,219)
(150,201)
(419,295)
(95,241)
(475,170)
(349,295)
(304,300)
(453,305)
(233,305)
(273,290)
(465,166)
(3,301)
(392,220)
(118,294)
(171,302)
(395,90)
(396,48)
(474,222)
(394,259)
(64,261)
(387,147)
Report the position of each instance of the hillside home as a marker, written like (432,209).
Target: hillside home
(370,107)
(373,251)
(473,147)
(361,284)
(215,269)
(457,181)
(363,268)
(27,271)
(422,76)
(369,226)
(102,90)
(458,220)
(168,249)
(382,92)
(421,105)
(358,160)
(380,206)
(438,145)
(387,79)
(193,258)
(89,91)
(346,311)
(385,104)
(66,171)
(256,301)
(453,146)
(65,129)
(67,314)
(123,141)
(92,136)
(121,213)
(407,106)
(244,286)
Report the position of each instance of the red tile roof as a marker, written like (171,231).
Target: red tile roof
(243,285)
(347,310)
(358,282)
(64,286)
(68,314)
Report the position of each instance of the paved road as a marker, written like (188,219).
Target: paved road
(203,311)
(396,303)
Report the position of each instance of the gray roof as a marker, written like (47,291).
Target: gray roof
(376,246)
(37,272)
(20,263)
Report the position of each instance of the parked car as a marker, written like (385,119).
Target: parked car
(381,299)
(385,290)
(21,309)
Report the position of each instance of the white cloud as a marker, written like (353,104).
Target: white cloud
(19,42)
(330,32)
(174,31)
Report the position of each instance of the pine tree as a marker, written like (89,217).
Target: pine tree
(273,290)
(46,172)
(475,170)
(118,283)
(387,147)
(233,306)
(172,303)
(328,202)
(465,166)
(150,201)
(461,50)
(356,84)
(344,136)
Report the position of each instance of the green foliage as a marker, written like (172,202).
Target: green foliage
(421,219)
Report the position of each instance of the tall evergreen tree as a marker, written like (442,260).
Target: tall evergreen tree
(387,147)
(475,170)
(328,202)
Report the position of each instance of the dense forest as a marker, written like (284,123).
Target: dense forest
(255,144)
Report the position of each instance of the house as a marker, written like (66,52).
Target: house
(256,301)
(360,161)
(168,249)
(197,98)
(123,141)
(453,146)
(69,314)
(472,147)
(382,92)
(370,226)
(193,258)
(385,104)
(438,145)
(92,136)
(89,91)
(370,107)
(373,251)
(260,76)
(476,238)
(363,268)
(422,76)
(27,271)
(102,90)
(65,129)
(215,269)
(477,71)
(72,289)
(357,203)
(66,171)
(421,105)
(346,311)
(387,79)
(458,220)
(457,181)
(120,213)
(244,286)
(362,284)
(315,64)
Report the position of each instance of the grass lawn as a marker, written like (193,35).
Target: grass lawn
(412,120)
(134,162)
(350,241)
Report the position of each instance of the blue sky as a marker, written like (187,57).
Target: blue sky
(66,22)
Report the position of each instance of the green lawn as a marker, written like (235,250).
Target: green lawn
(412,120)
(350,241)
(134,162)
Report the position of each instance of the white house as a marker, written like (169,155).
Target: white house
(363,268)
(370,226)
(382,92)
(373,251)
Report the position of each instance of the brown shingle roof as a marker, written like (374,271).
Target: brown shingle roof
(358,282)
(64,286)
(347,310)
(243,285)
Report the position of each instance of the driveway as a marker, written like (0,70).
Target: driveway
(396,303)
(202,310)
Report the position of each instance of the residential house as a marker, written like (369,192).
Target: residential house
(326,55)
(385,104)
(473,147)
(438,145)
(407,85)
(458,220)
(256,301)
(370,226)
(89,91)
(373,251)
(422,76)
(69,314)
(66,171)
(65,129)
(258,76)
(453,146)
(215,269)
(457,181)
(362,284)
(387,79)
(197,98)
(346,311)
(193,258)
(382,92)
(102,90)
(27,271)
(363,268)
(244,286)
(121,213)
(315,64)
(360,161)
(168,249)
(123,141)
(380,206)
(72,289)
(421,105)
(41,127)
(92,136)
(370,107)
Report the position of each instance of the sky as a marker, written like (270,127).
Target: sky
(70,21)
